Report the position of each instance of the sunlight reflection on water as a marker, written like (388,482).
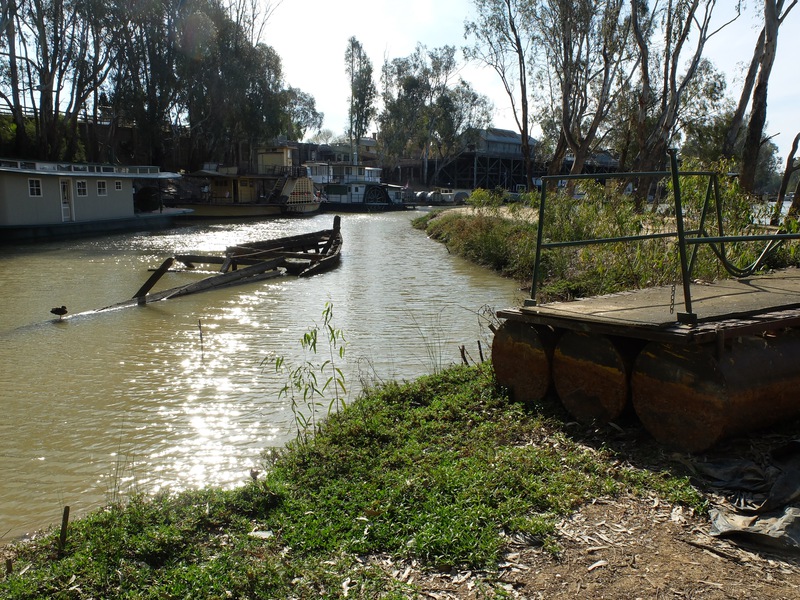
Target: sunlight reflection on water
(184,393)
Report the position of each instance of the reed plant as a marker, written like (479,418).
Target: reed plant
(310,383)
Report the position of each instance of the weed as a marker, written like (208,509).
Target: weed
(432,340)
(308,383)
(499,235)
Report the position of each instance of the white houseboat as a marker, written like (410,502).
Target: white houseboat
(42,200)
(356,188)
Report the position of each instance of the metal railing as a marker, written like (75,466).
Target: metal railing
(686,238)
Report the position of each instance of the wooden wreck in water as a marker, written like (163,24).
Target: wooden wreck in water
(302,255)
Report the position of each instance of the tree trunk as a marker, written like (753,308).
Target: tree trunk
(735,126)
(554,168)
(791,167)
(20,135)
(758,113)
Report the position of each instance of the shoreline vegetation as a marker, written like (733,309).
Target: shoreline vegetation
(501,235)
(443,474)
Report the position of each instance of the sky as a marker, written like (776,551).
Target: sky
(311,38)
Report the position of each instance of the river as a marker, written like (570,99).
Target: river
(184,393)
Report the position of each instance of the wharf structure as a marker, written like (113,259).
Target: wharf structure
(696,362)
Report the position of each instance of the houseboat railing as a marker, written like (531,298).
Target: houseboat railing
(686,238)
(96,168)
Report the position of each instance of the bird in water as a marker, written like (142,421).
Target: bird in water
(60,311)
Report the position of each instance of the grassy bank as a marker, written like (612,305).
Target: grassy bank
(443,472)
(502,236)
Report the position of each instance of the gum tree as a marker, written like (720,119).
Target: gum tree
(362,93)
(503,41)
(583,53)
(764,55)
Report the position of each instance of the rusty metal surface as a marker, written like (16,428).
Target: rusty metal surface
(689,398)
(521,357)
(591,377)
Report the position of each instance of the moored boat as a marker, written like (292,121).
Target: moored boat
(225,192)
(356,188)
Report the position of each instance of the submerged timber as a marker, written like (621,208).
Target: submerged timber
(302,255)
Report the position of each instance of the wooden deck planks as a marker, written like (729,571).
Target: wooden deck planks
(752,305)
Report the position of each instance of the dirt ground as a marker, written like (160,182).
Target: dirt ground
(626,550)
(634,548)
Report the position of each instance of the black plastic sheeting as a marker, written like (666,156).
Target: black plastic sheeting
(762,500)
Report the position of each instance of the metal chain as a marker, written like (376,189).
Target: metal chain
(672,300)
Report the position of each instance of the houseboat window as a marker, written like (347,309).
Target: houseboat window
(118,186)
(101,188)
(34,187)
(81,187)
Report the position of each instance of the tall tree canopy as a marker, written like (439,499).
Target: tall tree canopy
(362,93)
(166,67)
(582,50)
(503,41)
(428,111)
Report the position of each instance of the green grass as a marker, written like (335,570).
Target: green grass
(490,238)
(443,470)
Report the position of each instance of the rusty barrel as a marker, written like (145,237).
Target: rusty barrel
(690,397)
(521,355)
(591,375)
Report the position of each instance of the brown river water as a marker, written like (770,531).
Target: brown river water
(102,405)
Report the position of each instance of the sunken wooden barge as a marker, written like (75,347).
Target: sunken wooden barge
(302,255)
(719,360)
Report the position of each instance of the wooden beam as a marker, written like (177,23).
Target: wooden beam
(158,274)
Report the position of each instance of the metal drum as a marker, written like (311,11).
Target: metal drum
(591,373)
(689,397)
(521,355)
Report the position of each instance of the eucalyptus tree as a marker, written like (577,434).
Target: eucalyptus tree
(250,17)
(255,91)
(583,54)
(54,57)
(302,114)
(503,40)
(792,171)
(363,93)
(233,97)
(775,13)
(145,87)
(322,137)
(677,30)
(403,94)
(414,89)
(461,115)
(11,91)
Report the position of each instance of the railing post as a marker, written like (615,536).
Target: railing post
(539,237)
(687,317)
